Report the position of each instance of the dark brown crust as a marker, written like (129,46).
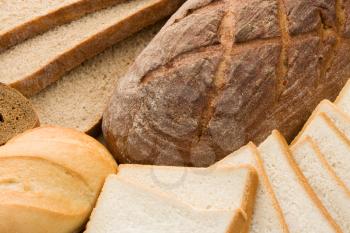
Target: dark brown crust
(68,60)
(28,118)
(267,75)
(52,19)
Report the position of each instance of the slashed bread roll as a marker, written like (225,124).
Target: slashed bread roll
(50,178)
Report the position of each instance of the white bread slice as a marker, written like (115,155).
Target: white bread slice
(79,98)
(343,99)
(124,207)
(227,188)
(332,143)
(267,214)
(303,211)
(21,20)
(321,177)
(340,119)
(38,62)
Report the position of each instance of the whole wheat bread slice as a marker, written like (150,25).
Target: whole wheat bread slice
(332,143)
(321,177)
(79,98)
(267,214)
(125,207)
(36,63)
(302,209)
(16,113)
(21,20)
(227,188)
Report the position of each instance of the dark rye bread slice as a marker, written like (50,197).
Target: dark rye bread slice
(79,98)
(222,73)
(34,64)
(16,114)
(21,20)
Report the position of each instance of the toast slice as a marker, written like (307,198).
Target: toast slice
(21,20)
(332,143)
(340,119)
(79,98)
(321,177)
(125,207)
(16,114)
(267,215)
(302,209)
(343,99)
(50,55)
(227,188)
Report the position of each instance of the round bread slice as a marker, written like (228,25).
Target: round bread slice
(16,113)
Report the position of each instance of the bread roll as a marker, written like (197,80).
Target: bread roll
(50,178)
(222,73)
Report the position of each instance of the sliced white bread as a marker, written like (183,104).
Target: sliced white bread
(321,177)
(124,207)
(23,19)
(267,214)
(340,119)
(79,98)
(302,209)
(37,62)
(343,99)
(228,188)
(332,143)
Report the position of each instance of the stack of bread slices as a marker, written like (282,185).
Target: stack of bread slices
(303,187)
(66,55)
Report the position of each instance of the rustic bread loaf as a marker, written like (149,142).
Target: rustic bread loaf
(225,72)
(267,213)
(21,20)
(343,99)
(16,113)
(126,207)
(36,63)
(302,209)
(50,178)
(78,99)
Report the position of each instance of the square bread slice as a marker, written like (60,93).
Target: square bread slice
(227,188)
(126,207)
(340,119)
(34,64)
(21,20)
(321,177)
(343,99)
(267,215)
(332,143)
(303,211)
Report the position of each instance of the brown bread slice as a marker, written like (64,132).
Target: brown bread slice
(223,73)
(16,114)
(79,98)
(21,20)
(38,62)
